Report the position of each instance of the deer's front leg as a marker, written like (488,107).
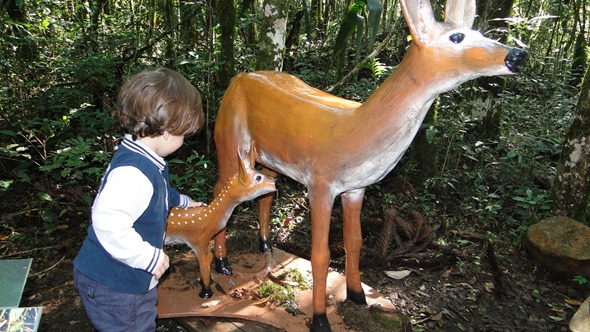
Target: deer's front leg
(219,248)
(321,210)
(219,245)
(352,203)
(264,205)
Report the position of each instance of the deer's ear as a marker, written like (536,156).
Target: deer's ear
(420,19)
(460,13)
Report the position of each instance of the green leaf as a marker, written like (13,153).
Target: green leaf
(8,133)
(45,197)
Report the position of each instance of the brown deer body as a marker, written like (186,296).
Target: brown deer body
(338,147)
(197,226)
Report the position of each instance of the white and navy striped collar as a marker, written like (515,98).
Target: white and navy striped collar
(141,148)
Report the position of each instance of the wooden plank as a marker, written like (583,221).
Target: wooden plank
(208,324)
(178,293)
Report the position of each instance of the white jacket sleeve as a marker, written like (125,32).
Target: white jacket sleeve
(122,200)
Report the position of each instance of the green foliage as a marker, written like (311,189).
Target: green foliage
(580,280)
(501,183)
(194,176)
(77,159)
(303,282)
(283,292)
(277,294)
(63,66)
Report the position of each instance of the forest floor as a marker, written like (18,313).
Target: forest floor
(459,281)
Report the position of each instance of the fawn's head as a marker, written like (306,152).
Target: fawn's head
(249,183)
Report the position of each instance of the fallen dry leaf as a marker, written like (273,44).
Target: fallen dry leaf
(210,304)
(398,274)
(573,302)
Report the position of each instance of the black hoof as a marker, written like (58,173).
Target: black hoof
(265,246)
(356,297)
(222,266)
(205,292)
(320,324)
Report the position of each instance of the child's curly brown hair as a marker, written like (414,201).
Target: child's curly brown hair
(159,100)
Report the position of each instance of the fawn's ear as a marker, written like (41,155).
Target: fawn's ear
(244,164)
(420,19)
(460,13)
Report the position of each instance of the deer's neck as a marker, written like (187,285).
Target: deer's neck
(210,219)
(408,92)
(220,209)
(387,122)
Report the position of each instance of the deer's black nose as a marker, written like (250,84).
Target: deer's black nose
(515,58)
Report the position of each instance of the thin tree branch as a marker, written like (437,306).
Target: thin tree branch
(363,62)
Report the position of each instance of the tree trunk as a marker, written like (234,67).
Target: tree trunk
(170,22)
(226,14)
(572,186)
(424,149)
(491,15)
(273,30)
(26,48)
(580,56)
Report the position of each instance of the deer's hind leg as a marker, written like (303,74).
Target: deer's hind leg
(352,203)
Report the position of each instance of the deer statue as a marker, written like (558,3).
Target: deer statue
(339,147)
(197,226)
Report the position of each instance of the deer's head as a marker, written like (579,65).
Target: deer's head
(457,52)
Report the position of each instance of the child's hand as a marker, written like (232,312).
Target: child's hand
(160,269)
(195,204)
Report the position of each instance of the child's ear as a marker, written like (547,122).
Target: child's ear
(166,135)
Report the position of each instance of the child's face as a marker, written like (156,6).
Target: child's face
(170,144)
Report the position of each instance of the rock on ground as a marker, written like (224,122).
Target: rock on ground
(561,245)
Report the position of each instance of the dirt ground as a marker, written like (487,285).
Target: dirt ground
(464,283)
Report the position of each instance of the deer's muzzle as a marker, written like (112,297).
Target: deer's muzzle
(515,58)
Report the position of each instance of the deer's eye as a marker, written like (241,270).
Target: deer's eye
(457,37)
(258,178)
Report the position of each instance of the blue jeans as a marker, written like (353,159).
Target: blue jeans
(111,311)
